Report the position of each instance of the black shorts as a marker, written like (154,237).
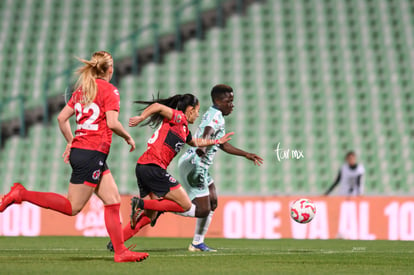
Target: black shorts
(154,179)
(87,166)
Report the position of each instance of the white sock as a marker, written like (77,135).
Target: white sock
(202,228)
(189,213)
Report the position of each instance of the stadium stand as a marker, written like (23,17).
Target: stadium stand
(41,37)
(318,76)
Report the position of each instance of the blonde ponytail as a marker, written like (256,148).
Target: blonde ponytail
(95,68)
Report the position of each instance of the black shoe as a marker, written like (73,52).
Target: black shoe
(137,207)
(110,247)
(154,221)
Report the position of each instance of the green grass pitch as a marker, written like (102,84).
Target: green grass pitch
(81,255)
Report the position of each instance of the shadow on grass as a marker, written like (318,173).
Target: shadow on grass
(88,259)
(160,250)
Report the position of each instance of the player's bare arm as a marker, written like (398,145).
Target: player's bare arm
(230,149)
(208,132)
(116,127)
(163,110)
(64,126)
(200,142)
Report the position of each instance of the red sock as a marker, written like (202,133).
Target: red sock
(163,205)
(113,226)
(129,233)
(48,200)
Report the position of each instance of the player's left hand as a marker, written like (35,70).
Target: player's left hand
(135,120)
(66,154)
(130,141)
(255,158)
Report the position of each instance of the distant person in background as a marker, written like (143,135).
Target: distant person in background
(350,177)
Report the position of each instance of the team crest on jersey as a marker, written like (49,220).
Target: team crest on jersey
(116,92)
(172,180)
(96,174)
(178,118)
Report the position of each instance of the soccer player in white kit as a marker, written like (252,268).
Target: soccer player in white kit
(350,177)
(194,164)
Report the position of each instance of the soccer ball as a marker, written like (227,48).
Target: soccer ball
(302,210)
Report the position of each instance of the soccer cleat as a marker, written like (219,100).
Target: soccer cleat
(110,246)
(14,196)
(154,221)
(130,256)
(200,247)
(137,206)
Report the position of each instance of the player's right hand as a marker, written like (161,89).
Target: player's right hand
(66,153)
(135,120)
(226,138)
(131,142)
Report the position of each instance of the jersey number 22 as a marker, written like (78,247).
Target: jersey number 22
(89,124)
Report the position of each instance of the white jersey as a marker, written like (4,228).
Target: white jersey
(351,181)
(212,118)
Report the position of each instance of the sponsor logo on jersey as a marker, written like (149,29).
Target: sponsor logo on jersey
(116,92)
(96,174)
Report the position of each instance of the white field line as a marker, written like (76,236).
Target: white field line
(266,252)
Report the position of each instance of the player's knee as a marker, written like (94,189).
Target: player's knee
(76,210)
(202,211)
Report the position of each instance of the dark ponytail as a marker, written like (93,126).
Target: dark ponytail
(178,102)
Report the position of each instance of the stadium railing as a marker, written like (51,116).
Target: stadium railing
(196,4)
(133,37)
(22,120)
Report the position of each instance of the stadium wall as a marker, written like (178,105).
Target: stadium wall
(365,218)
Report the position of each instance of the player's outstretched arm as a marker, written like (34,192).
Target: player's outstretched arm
(200,142)
(64,126)
(165,111)
(208,132)
(230,149)
(116,127)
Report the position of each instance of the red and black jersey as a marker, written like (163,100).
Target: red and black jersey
(92,132)
(167,141)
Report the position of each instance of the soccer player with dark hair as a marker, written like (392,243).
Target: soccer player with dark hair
(194,164)
(159,190)
(350,177)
